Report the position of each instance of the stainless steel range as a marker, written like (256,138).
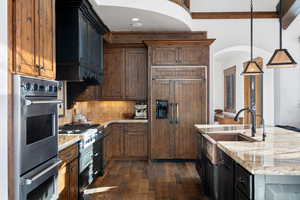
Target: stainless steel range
(91,151)
(35,138)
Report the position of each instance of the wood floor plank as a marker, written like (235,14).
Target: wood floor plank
(143,180)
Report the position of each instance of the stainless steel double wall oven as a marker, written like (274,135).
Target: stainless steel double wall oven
(35,138)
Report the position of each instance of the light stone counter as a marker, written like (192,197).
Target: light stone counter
(105,124)
(278,155)
(64,141)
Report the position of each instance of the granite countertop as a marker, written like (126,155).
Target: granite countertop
(278,155)
(105,124)
(64,141)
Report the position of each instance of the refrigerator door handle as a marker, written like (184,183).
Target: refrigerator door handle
(171,112)
(177,113)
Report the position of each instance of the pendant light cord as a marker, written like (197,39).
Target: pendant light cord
(280,24)
(251,29)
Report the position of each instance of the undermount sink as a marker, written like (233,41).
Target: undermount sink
(230,137)
(209,143)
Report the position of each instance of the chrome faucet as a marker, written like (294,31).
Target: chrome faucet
(253,118)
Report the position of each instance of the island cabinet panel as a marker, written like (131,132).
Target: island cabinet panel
(226,177)
(68,173)
(35,38)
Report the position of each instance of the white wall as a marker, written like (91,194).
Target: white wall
(282,85)
(235,5)
(3,101)
(237,58)
(287,83)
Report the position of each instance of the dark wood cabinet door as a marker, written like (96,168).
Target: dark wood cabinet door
(64,182)
(73,167)
(117,141)
(114,61)
(46,38)
(26,59)
(162,133)
(136,141)
(190,105)
(136,74)
(193,55)
(164,56)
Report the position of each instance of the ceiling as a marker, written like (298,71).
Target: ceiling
(155,15)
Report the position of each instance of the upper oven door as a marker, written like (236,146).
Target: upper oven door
(39,131)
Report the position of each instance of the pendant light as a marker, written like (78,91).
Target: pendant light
(281,57)
(252,68)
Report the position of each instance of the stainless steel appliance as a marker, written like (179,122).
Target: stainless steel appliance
(140,111)
(35,137)
(91,152)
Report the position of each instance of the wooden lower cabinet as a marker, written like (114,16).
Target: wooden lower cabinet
(68,174)
(126,141)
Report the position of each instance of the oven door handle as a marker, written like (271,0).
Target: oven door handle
(28,181)
(29,102)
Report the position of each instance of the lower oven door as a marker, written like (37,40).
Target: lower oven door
(40,183)
(38,138)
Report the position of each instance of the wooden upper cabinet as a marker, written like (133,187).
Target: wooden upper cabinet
(193,55)
(34,35)
(25,50)
(186,55)
(136,74)
(46,47)
(114,61)
(165,56)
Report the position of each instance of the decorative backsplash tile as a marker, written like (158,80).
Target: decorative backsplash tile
(100,110)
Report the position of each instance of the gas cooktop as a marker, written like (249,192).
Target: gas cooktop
(76,128)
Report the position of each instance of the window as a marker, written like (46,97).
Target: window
(230,89)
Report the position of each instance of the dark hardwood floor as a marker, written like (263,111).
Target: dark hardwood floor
(142,180)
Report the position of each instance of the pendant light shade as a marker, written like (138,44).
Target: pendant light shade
(281,57)
(252,68)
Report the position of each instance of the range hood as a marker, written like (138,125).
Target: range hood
(79,42)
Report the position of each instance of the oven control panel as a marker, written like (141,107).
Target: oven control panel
(38,87)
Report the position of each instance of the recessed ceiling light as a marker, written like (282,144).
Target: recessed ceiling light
(137,24)
(135,19)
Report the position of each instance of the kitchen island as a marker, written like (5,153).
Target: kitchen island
(259,170)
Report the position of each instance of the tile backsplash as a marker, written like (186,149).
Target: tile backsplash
(100,110)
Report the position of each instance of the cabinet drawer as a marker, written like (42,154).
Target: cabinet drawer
(136,127)
(69,154)
(244,181)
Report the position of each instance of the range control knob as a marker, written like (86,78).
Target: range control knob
(50,88)
(42,88)
(35,87)
(28,86)
(55,88)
